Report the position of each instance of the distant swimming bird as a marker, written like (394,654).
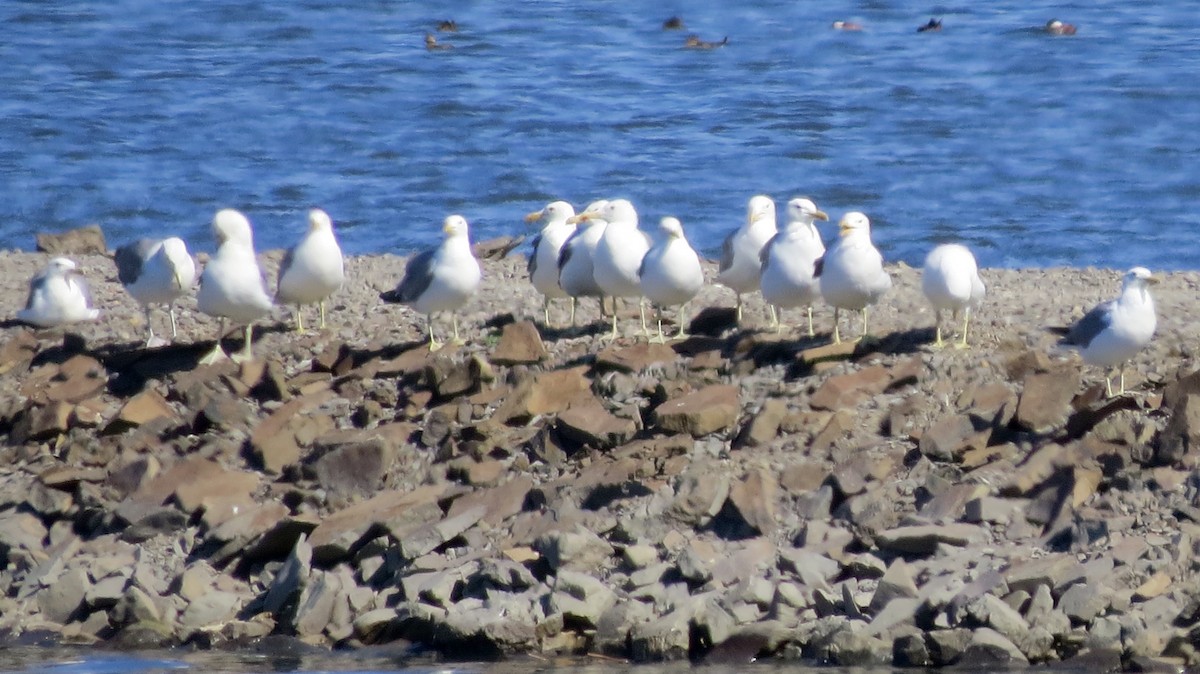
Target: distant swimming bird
(547,247)
(851,274)
(1056,27)
(670,273)
(313,269)
(740,268)
(448,26)
(575,262)
(1114,331)
(789,261)
(950,281)
(431,43)
(694,42)
(618,256)
(58,295)
(934,25)
(846,25)
(440,279)
(232,287)
(673,23)
(156,272)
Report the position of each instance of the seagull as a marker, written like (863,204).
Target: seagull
(789,261)
(156,272)
(951,283)
(547,247)
(670,273)
(58,295)
(313,269)
(440,279)
(741,264)
(575,262)
(851,274)
(619,255)
(232,287)
(1114,331)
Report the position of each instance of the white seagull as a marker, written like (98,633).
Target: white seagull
(440,279)
(232,287)
(851,274)
(156,272)
(789,261)
(547,247)
(950,280)
(619,255)
(671,274)
(740,268)
(58,295)
(575,262)
(313,269)
(1114,331)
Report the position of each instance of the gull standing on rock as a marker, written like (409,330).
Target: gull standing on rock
(156,272)
(789,261)
(619,257)
(670,274)
(575,263)
(440,279)
(740,268)
(1114,331)
(851,274)
(58,295)
(313,269)
(232,287)
(950,281)
(547,247)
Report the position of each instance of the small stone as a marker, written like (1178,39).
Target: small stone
(1046,399)
(708,410)
(87,240)
(847,390)
(520,343)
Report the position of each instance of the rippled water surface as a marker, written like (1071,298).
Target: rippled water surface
(1036,150)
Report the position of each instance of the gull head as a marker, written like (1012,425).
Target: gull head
(230,225)
(593,212)
(671,227)
(759,209)
(555,211)
(61,266)
(318,220)
(620,210)
(853,223)
(454,226)
(802,209)
(1140,277)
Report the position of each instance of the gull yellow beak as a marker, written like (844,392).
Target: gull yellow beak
(534,216)
(1154,280)
(821,215)
(582,217)
(844,227)
(447,229)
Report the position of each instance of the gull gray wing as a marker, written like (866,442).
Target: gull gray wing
(81,283)
(418,276)
(1085,329)
(568,249)
(531,266)
(764,256)
(36,284)
(130,258)
(726,253)
(819,267)
(285,264)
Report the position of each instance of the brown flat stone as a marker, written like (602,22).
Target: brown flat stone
(635,358)
(545,393)
(143,408)
(1045,399)
(588,422)
(274,442)
(755,497)
(338,532)
(711,409)
(520,343)
(847,390)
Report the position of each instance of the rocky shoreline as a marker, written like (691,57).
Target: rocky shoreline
(737,495)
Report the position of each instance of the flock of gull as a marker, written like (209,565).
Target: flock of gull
(598,253)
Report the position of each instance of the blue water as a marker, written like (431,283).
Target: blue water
(149,115)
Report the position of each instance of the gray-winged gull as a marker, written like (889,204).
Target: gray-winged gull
(58,295)
(440,279)
(671,274)
(619,255)
(547,247)
(575,262)
(156,272)
(789,261)
(232,287)
(1114,331)
(950,281)
(740,268)
(851,273)
(313,269)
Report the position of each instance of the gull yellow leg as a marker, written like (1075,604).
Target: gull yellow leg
(299,320)
(247,353)
(454,328)
(837,335)
(962,343)
(546,311)
(642,311)
(739,308)
(217,354)
(321,309)
(937,330)
(614,322)
(775,322)
(682,319)
(171,313)
(434,345)
(811,332)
